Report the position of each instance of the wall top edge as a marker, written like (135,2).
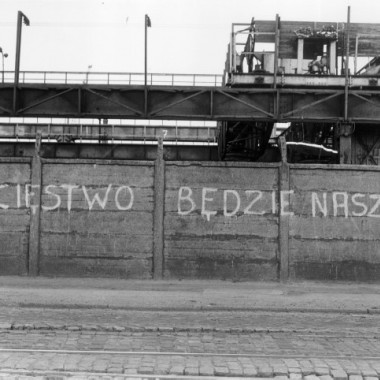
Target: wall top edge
(224,164)
(15,160)
(335,167)
(66,161)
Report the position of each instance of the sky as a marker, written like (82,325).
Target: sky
(187,36)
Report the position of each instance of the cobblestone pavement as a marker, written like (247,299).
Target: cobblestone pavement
(190,365)
(109,351)
(200,331)
(278,344)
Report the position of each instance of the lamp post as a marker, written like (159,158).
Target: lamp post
(148,24)
(20,18)
(89,67)
(3,55)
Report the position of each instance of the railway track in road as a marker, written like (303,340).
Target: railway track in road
(182,355)
(188,354)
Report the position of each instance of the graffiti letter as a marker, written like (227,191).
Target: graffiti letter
(102,203)
(259,195)
(208,213)
(285,202)
(131,198)
(2,205)
(57,204)
(186,197)
(225,197)
(360,204)
(343,205)
(70,189)
(315,201)
(375,207)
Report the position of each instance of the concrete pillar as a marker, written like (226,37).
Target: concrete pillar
(332,57)
(345,143)
(299,55)
(35,209)
(159,211)
(284,199)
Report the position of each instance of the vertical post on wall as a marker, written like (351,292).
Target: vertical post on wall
(158,213)
(284,199)
(35,209)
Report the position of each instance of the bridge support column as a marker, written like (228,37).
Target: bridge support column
(346,131)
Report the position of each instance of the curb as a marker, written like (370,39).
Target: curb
(199,309)
(4,326)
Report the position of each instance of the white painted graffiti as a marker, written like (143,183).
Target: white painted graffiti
(346,204)
(251,202)
(210,201)
(62,196)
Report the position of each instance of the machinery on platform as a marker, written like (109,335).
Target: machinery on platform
(324,60)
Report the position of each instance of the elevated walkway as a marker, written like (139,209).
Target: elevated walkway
(188,97)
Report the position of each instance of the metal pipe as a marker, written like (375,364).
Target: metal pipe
(147,24)
(276,48)
(346,65)
(232,52)
(356,53)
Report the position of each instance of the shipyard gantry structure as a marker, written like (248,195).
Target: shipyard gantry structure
(321,78)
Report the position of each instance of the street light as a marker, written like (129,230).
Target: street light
(89,67)
(3,55)
(20,18)
(148,24)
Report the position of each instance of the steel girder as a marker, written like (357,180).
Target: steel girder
(190,103)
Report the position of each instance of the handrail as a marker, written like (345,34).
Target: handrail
(112,78)
(72,132)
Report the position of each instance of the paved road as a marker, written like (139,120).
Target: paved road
(194,330)
(199,343)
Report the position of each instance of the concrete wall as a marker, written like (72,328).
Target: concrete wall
(335,230)
(97,219)
(219,221)
(15,175)
(140,219)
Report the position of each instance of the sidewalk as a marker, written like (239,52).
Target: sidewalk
(188,295)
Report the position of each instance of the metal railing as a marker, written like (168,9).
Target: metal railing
(106,132)
(112,78)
